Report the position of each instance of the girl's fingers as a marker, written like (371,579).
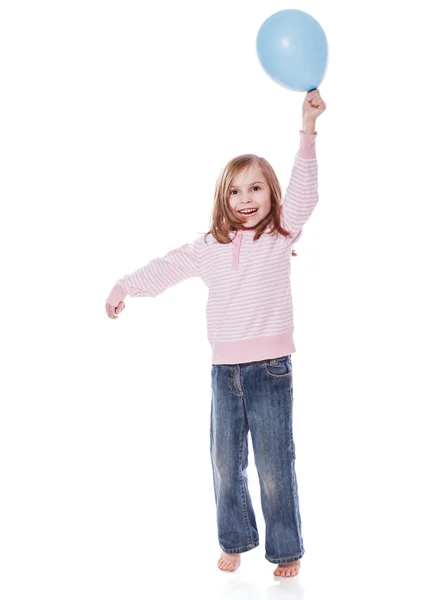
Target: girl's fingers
(317,103)
(111,311)
(313,100)
(117,309)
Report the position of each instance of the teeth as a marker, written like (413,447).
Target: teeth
(249,212)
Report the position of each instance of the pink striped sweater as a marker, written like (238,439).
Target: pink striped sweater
(249,310)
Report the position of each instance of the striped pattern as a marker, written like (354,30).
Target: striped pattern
(249,311)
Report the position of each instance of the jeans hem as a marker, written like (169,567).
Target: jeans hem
(278,561)
(241,549)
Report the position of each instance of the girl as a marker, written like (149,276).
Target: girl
(246,266)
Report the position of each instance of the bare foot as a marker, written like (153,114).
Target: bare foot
(229,562)
(288,569)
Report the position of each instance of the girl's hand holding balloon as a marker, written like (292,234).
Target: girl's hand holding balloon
(313,107)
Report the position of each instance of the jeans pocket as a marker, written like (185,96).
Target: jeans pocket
(279,367)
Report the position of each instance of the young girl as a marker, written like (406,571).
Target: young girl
(246,266)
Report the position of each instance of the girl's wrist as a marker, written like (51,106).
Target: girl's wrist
(309,126)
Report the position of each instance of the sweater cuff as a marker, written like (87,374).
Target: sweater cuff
(307,145)
(116,295)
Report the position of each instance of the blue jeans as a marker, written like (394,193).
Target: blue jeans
(256,397)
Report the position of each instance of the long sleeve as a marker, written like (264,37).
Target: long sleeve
(301,195)
(160,273)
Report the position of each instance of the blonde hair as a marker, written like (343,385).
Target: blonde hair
(224,220)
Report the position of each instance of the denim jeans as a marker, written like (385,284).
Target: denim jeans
(256,397)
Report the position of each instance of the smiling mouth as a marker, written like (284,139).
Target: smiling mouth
(248,214)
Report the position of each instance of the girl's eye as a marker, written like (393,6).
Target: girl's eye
(233,192)
(256,186)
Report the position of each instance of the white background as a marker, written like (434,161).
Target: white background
(116,118)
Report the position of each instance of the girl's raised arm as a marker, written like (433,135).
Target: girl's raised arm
(301,195)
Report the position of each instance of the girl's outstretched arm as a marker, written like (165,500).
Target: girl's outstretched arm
(160,273)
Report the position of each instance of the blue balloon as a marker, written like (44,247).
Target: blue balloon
(292,48)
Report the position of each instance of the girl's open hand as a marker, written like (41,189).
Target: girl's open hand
(113,311)
(313,105)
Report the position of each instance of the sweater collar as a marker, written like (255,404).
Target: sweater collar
(244,232)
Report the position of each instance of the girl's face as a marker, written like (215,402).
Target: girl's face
(249,190)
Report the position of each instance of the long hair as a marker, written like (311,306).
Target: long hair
(224,220)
